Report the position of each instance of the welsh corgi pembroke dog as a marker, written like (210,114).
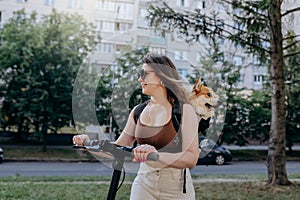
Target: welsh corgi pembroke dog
(203,99)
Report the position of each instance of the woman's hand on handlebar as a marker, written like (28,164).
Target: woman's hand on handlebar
(142,151)
(79,139)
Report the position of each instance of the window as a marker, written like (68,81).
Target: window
(241,78)
(106,47)
(220,40)
(105,5)
(200,4)
(143,12)
(180,55)
(183,72)
(258,79)
(238,25)
(122,26)
(105,26)
(203,4)
(237,11)
(255,60)
(49,2)
(19,15)
(22,1)
(265,44)
(142,22)
(125,10)
(184,3)
(157,50)
(77,4)
(238,60)
(220,23)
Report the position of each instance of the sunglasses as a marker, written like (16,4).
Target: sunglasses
(144,73)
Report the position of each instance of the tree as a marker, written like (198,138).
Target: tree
(217,70)
(39,61)
(247,117)
(247,113)
(292,74)
(91,97)
(127,91)
(260,31)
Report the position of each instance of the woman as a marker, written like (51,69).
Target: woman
(169,177)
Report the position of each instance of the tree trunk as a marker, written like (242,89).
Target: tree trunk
(276,160)
(44,138)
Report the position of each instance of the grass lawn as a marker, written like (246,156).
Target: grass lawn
(84,188)
(35,153)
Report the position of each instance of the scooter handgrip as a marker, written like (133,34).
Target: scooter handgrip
(154,156)
(91,142)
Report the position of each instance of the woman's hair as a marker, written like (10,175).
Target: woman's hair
(166,71)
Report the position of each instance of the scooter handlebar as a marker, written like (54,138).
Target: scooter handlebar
(115,150)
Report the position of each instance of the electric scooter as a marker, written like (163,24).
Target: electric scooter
(119,153)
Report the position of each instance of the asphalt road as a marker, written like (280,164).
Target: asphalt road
(100,169)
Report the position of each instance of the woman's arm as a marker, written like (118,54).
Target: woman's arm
(127,138)
(190,146)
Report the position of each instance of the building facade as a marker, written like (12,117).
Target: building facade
(123,27)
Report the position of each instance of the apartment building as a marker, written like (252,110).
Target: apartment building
(123,27)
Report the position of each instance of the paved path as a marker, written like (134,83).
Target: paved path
(254,147)
(105,169)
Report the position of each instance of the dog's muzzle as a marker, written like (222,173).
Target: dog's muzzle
(208,106)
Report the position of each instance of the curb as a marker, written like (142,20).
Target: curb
(205,180)
(108,160)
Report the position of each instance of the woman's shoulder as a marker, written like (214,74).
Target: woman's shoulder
(188,108)
(137,110)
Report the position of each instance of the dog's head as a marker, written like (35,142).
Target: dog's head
(204,100)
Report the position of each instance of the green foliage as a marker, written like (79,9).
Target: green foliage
(91,97)
(103,93)
(111,92)
(292,75)
(247,118)
(127,91)
(252,28)
(39,62)
(219,73)
(131,63)
(257,29)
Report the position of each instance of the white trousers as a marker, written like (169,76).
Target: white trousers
(161,184)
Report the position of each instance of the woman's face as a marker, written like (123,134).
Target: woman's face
(150,82)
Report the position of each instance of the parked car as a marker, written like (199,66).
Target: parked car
(211,153)
(1,155)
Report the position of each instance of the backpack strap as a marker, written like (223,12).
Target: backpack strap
(138,110)
(176,116)
(176,119)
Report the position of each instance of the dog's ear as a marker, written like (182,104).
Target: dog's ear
(197,86)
